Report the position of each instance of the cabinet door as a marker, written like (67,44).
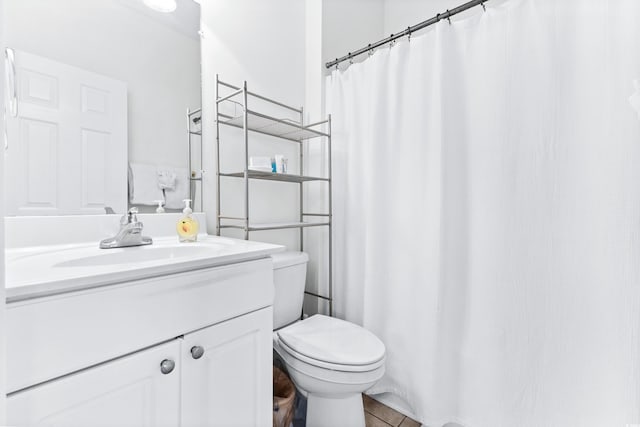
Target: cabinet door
(230,383)
(130,391)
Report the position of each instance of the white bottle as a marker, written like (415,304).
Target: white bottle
(159,209)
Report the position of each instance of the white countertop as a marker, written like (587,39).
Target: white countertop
(53,269)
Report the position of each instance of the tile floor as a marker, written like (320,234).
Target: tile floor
(378,415)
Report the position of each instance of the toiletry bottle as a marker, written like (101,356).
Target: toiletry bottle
(187,226)
(159,209)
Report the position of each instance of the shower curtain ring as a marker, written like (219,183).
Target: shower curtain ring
(409,34)
(449,16)
(484,8)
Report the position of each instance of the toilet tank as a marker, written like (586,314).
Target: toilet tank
(289,276)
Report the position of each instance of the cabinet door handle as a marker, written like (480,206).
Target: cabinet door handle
(167,366)
(197,352)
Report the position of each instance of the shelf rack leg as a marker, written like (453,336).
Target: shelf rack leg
(192,190)
(217,158)
(246,161)
(330,227)
(301,148)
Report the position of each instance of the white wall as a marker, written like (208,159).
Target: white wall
(400,14)
(349,25)
(332,27)
(264,44)
(160,65)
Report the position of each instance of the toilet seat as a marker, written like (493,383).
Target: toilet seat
(334,344)
(329,366)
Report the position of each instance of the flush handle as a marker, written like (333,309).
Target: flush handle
(167,366)
(197,352)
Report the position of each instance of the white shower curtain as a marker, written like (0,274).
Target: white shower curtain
(487,212)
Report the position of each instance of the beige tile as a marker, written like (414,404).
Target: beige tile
(408,422)
(371,421)
(381,411)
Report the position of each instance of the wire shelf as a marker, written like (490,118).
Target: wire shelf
(281,128)
(276,225)
(271,176)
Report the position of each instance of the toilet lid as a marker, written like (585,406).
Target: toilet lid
(332,340)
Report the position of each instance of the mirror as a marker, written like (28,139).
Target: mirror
(105,91)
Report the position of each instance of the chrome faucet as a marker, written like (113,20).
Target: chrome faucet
(130,233)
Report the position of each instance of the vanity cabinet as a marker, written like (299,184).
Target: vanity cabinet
(190,349)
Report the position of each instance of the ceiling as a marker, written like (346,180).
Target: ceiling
(185,19)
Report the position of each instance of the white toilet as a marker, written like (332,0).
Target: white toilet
(330,361)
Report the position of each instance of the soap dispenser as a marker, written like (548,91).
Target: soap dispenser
(160,208)
(187,226)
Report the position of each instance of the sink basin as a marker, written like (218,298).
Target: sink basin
(47,270)
(140,254)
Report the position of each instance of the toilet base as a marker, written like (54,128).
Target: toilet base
(344,410)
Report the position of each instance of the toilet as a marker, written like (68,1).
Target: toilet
(331,361)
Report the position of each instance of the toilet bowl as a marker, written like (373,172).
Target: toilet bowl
(331,361)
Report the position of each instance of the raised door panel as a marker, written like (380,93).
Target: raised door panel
(39,89)
(230,385)
(130,391)
(94,181)
(40,147)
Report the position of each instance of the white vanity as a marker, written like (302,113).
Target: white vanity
(162,335)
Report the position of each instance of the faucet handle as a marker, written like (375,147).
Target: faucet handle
(133,212)
(129,217)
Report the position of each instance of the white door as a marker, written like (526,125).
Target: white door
(67,150)
(230,384)
(131,391)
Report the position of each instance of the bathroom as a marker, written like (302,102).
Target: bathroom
(471,243)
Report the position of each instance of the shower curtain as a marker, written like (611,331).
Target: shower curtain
(487,214)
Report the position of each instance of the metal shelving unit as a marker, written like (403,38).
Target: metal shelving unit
(296,131)
(195,175)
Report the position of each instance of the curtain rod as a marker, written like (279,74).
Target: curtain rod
(440,16)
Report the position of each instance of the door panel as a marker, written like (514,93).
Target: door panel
(40,141)
(230,385)
(94,149)
(131,391)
